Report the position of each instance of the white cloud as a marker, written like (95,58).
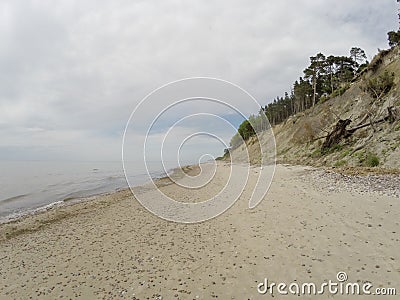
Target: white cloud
(80,67)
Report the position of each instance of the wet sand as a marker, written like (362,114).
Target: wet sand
(112,247)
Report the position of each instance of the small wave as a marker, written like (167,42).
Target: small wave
(86,193)
(17,215)
(70,198)
(48,206)
(7,200)
(68,190)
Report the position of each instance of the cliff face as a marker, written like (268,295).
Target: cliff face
(300,138)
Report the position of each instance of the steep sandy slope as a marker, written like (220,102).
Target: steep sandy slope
(297,138)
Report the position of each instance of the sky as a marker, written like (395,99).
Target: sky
(72,72)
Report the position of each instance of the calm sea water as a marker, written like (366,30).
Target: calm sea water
(26,186)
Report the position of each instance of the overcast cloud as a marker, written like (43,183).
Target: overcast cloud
(72,71)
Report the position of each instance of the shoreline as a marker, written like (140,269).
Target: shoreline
(309,227)
(51,206)
(15,216)
(349,179)
(61,209)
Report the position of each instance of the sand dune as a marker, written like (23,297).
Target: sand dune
(112,247)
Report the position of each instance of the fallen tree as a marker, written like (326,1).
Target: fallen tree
(336,135)
(341,132)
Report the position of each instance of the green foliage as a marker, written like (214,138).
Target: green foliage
(249,128)
(397,128)
(363,67)
(333,149)
(340,91)
(225,156)
(324,98)
(246,130)
(280,108)
(227,153)
(393,38)
(377,61)
(316,153)
(324,78)
(377,87)
(345,153)
(340,163)
(358,55)
(367,159)
(360,155)
(259,122)
(371,160)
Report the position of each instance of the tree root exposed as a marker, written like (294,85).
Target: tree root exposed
(340,130)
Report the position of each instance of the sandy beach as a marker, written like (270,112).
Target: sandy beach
(307,229)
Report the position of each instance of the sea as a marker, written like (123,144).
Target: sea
(30,186)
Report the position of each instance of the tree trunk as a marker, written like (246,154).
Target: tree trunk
(314,88)
(336,135)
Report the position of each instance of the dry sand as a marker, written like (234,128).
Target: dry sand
(112,247)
